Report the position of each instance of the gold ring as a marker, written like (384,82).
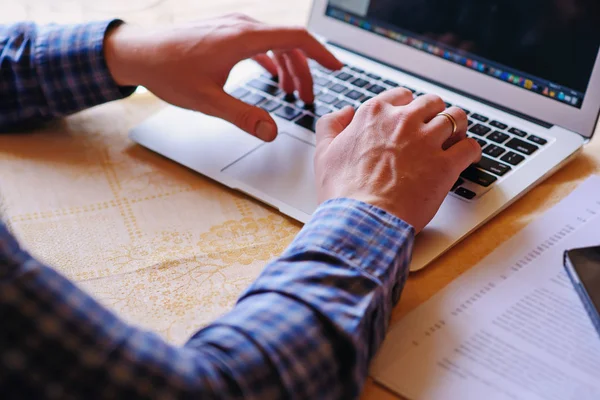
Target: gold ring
(451,119)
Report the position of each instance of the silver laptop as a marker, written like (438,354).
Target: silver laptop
(529,81)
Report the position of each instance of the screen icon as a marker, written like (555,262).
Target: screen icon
(528,84)
(561,96)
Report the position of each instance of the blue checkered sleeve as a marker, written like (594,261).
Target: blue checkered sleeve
(51,71)
(306,328)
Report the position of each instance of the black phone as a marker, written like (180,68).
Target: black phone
(583,267)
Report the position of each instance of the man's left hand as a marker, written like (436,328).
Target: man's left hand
(189,65)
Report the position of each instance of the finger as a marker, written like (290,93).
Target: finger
(440,127)
(267,63)
(463,154)
(331,125)
(253,120)
(285,77)
(426,107)
(396,97)
(300,71)
(266,38)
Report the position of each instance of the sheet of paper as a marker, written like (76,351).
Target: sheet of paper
(512,327)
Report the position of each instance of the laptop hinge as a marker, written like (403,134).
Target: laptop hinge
(487,102)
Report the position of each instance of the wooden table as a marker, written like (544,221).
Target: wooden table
(164,247)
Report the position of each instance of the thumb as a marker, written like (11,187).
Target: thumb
(331,125)
(251,119)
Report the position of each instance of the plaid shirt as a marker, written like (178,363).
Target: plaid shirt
(306,328)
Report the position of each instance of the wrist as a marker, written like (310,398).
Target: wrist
(121,53)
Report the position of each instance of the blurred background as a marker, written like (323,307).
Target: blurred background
(151,12)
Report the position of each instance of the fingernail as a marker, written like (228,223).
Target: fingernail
(265,131)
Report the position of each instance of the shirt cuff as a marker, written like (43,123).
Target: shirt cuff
(350,254)
(72,67)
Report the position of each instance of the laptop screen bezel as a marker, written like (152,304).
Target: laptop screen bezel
(581,120)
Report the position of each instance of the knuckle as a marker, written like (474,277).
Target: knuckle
(458,111)
(433,100)
(237,15)
(475,145)
(374,106)
(406,93)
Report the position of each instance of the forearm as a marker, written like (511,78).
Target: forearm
(306,328)
(343,274)
(52,71)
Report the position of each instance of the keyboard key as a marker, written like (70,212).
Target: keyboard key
(327,98)
(376,89)
(537,139)
(343,76)
(323,69)
(498,137)
(337,88)
(470,122)
(342,103)
(354,95)
(264,87)
(517,132)
(356,69)
(493,150)
(493,166)
(308,121)
(269,77)
(512,158)
(418,94)
(465,110)
(290,98)
(459,182)
(481,142)
(390,83)
(521,146)
(409,88)
(240,93)
(254,99)
(321,110)
(480,130)
(498,125)
(480,117)
(478,176)
(288,113)
(374,76)
(361,83)
(322,81)
(448,105)
(270,106)
(466,193)
(365,99)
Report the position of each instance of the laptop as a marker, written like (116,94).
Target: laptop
(528,77)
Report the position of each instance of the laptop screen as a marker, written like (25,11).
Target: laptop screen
(545,46)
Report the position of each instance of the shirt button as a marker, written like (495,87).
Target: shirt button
(396,292)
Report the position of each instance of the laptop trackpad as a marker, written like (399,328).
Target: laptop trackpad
(282,169)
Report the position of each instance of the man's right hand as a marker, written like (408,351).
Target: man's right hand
(395,153)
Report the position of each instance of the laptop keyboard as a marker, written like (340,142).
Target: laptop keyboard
(504,148)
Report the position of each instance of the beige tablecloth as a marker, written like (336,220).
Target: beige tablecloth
(164,247)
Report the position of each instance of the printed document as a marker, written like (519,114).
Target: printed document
(512,327)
